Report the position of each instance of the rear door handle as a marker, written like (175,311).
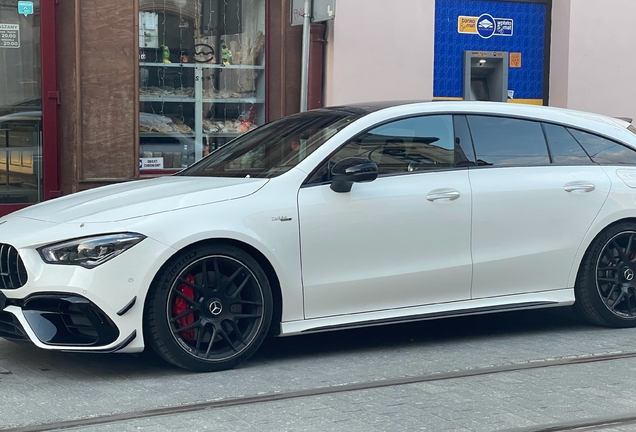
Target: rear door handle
(579,187)
(443,194)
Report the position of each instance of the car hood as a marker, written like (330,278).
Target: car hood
(141,198)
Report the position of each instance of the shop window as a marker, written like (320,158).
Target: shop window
(202,77)
(21,134)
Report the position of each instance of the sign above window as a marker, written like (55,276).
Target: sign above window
(485,26)
(321,10)
(25,8)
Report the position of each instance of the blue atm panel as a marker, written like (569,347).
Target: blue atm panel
(504,26)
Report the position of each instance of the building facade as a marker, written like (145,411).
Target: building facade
(94,93)
(567,53)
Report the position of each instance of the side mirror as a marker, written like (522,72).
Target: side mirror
(352,170)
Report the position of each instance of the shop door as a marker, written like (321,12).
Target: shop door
(28,103)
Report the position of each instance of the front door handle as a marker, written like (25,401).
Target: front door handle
(443,194)
(579,187)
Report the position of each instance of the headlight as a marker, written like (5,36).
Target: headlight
(89,252)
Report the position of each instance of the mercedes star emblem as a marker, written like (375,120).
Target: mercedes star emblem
(216,307)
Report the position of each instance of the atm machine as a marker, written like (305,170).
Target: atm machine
(486,76)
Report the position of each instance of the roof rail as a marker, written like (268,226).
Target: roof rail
(627,119)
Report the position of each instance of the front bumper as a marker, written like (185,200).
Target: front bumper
(63,320)
(10,327)
(70,308)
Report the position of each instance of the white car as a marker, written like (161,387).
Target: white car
(331,219)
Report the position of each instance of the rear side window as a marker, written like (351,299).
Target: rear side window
(564,148)
(604,151)
(502,141)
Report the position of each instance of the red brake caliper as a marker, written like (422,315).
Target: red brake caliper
(180,306)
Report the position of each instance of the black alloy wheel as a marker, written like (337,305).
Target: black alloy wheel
(606,283)
(210,309)
(615,271)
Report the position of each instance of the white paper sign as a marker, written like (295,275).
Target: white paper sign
(9,36)
(151,21)
(151,163)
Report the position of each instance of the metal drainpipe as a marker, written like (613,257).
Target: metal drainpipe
(316,66)
(304,77)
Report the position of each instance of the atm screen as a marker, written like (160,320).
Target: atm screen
(479,89)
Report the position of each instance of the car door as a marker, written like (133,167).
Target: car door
(532,204)
(402,240)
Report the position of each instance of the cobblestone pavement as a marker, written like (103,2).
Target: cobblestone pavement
(38,387)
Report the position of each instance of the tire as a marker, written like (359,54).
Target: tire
(605,288)
(208,324)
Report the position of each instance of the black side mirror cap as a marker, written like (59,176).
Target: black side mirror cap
(352,170)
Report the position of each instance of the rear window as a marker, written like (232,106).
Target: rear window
(604,151)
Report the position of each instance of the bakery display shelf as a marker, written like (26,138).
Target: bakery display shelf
(202,66)
(165,134)
(233,100)
(176,99)
(239,66)
(222,134)
(167,65)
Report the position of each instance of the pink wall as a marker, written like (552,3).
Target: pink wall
(601,64)
(559,54)
(379,50)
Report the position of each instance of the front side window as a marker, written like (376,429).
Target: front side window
(502,141)
(604,151)
(414,144)
(274,148)
(402,146)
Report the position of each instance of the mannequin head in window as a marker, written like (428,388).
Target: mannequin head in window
(297,142)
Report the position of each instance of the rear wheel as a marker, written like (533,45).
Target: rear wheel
(606,282)
(210,309)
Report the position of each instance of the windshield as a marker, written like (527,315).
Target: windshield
(274,148)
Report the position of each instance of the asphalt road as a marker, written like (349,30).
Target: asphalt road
(521,371)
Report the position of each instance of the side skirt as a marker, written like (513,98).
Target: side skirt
(538,300)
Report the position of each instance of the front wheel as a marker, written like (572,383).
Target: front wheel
(209,309)
(606,283)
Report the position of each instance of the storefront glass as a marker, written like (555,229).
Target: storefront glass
(20,103)
(202,77)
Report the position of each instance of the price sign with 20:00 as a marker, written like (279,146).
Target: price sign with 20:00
(9,36)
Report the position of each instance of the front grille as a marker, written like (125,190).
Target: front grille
(13,274)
